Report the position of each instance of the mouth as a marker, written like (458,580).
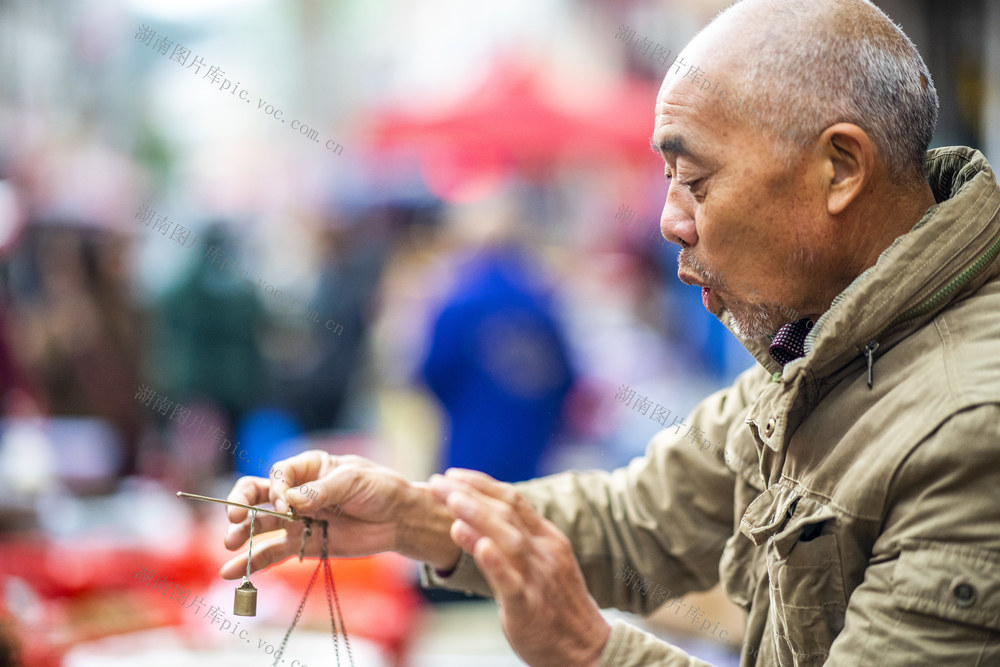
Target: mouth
(707,293)
(689,279)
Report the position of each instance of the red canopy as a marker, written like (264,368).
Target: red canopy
(512,117)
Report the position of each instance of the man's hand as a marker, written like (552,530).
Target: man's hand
(369,508)
(545,609)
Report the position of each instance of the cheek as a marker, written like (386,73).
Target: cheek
(738,240)
(735,223)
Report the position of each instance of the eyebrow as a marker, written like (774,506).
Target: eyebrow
(672,145)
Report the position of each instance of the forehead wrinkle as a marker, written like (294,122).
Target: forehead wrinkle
(679,99)
(673,143)
(667,111)
(694,120)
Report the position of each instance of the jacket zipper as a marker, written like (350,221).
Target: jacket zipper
(958,281)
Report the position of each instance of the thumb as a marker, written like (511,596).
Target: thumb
(306,498)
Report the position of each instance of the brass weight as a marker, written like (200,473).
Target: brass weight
(245,603)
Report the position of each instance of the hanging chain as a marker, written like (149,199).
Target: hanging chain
(332,589)
(253,516)
(331,595)
(306,534)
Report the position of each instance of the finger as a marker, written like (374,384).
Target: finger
(505,516)
(474,507)
(482,483)
(441,486)
(239,533)
(310,497)
(465,536)
(334,486)
(270,551)
(501,573)
(505,493)
(249,491)
(294,470)
(490,518)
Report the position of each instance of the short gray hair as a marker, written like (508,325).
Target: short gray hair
(815,63)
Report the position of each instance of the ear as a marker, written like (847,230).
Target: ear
(849,158)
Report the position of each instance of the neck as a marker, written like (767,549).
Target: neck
(894,214)
(901,210)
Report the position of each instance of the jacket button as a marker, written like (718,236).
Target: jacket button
(769,427)
(963,592)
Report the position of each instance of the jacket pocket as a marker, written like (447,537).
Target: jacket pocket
(958,583)
(808,602)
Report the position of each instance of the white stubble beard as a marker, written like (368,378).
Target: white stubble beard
(749,321)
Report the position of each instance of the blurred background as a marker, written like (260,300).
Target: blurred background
(422,231)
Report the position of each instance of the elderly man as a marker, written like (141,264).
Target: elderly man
(844,490)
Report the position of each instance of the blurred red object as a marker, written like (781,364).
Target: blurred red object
(11,652)
(57,570)
(377,597)
(73,594)
(513,119)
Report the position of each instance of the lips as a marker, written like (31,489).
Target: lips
(708,296)
(688,279)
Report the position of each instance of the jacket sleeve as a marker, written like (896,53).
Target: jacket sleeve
(664,518)
(931,592)
(628,646)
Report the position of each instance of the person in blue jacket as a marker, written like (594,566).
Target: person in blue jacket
(499,365)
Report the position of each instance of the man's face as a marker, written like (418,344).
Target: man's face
(745,221)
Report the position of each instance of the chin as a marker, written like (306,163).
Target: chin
(753,323)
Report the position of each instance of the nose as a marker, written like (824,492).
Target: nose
(677,220)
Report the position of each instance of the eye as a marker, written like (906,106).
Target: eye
(690,184)
(695,187)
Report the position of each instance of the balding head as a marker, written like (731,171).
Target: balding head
(793,133)
(796,67)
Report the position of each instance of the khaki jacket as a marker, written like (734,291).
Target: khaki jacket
(855,524)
